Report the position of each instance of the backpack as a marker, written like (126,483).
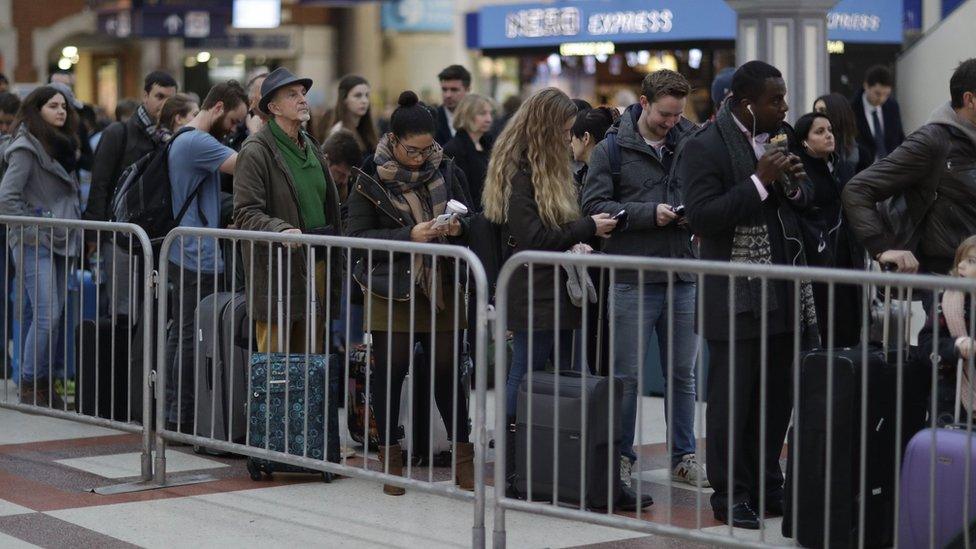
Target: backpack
(613,156)
(144,196)
(493,246)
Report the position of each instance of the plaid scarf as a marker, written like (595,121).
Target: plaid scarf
(420,195)
(147,122)
(751,242)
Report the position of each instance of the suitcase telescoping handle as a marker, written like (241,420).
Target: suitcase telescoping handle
(281,304)
(890,267)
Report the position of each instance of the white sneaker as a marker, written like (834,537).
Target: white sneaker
(626,471)
(690,471)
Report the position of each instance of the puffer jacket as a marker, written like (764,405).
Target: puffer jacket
(935,171)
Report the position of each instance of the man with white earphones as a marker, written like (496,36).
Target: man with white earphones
(741,187)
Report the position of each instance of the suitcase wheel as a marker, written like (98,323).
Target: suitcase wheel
(253,470)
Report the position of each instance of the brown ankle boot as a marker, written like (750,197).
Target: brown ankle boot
(464,452)
(392,456)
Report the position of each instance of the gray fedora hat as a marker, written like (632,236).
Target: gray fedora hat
(279,78)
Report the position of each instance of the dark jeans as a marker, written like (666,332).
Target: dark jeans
(543,349)
(394,353)
(182,350)
(745,416)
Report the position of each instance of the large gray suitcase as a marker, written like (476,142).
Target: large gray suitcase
(579,442)
(221,385)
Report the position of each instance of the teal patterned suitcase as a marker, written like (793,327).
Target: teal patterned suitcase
(287,410)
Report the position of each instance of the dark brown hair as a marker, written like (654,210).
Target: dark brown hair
(180,104)
(841,117)
(365,131)
(230,93)
(663,83)
(29,116)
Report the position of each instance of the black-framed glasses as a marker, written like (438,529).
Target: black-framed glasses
(415,152)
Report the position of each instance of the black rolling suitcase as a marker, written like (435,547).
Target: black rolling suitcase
(601,451)
(221,385)
(104,387)
(808,462)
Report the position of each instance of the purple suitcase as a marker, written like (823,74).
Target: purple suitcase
(950,477)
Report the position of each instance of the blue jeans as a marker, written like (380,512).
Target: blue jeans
(43,279)
(627,364)
(543,345)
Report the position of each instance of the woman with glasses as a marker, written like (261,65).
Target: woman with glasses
(399,194)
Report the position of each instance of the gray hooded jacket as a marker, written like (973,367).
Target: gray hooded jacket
(36,185)
(644,183)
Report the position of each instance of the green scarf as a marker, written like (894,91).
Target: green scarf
(308,175)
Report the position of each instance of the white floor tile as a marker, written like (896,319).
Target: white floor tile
(129,465)
(7,509)
(13,428)
(347,513)
(10,542)
(773,532)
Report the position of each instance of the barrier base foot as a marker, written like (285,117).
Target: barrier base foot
(144,485)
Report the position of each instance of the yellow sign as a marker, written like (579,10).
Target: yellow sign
(586,48)
(835,46)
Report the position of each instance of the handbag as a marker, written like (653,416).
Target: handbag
(386,279)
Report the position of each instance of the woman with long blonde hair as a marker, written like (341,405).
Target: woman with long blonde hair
(529,190)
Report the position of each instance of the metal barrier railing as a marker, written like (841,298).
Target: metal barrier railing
(850,412)
(284,289)
(73,334)
(864,486)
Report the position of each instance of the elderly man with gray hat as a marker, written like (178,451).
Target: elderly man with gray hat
(282,185)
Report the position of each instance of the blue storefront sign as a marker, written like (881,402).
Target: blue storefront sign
(641,21)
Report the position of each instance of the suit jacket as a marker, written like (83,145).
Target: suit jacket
(443,134)
(891,119)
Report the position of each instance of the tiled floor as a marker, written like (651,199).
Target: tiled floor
(48,468)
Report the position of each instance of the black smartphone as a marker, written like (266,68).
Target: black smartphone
(622,214)
(678,210)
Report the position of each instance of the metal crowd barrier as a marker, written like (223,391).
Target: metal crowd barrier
(288,394)
(844,490)
(84,339)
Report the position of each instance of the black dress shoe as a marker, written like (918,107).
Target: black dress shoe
(774,505)
(627,501)
(742,516)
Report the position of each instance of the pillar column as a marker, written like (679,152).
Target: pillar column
(931,14)
(792,36)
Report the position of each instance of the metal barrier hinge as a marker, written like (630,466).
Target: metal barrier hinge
(490,314)
(152,377)
(154,282)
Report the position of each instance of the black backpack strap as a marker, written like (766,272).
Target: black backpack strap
(613,155)
(196,190)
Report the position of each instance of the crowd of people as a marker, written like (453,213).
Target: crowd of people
(841,187)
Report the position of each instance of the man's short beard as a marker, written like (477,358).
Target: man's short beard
(217,128)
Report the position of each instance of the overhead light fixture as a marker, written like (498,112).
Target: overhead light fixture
(69,51)
(64,63)
(836,46)
(203,57)
(694,58)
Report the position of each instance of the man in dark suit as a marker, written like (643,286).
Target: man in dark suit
(738,204)
(878,116)
(455,84)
